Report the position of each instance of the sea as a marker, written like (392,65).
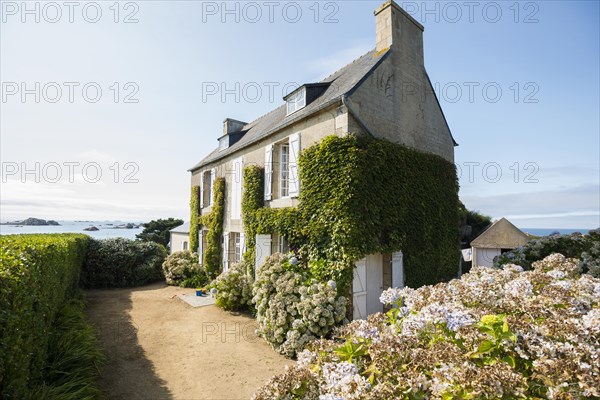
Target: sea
(107,229)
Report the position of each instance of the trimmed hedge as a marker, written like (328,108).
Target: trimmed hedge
(38,273)
(119,262)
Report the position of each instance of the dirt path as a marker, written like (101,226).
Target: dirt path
(158,347)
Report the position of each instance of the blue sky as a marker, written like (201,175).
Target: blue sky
(518,82)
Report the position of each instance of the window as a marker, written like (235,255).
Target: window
(237,247)
(223,143)
(207,189)
(284,170)
(184,246)
(283,245)
(296,101)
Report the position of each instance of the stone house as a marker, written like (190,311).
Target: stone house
(386,93)
(502,236)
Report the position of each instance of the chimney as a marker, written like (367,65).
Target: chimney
(232,125)
(396,29)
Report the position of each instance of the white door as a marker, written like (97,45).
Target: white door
(398,270)
(359,290)
(262,251)
(374,283)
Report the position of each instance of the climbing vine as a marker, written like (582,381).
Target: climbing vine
(194,218)
(363,196)
(213,221)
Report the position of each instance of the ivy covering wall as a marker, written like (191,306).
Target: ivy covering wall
(361,196)
(194,218)
(213,222)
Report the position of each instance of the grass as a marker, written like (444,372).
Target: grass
(73,359)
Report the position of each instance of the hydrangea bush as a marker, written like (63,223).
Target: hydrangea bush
(584,247)
(181,269)
(234,288)
(291,312)
(493,334)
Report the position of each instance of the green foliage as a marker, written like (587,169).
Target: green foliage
(234,288)
(122,262)
(158,231)
(194,218)
(477,221)
(73,359)
(214,223)
(362,196)
(38,273)
(183,269)
(574,245)
(252,201)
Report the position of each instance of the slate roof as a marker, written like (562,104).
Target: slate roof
(341,82)
(185,228)
(502,234)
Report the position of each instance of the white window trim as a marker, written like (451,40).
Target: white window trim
(296,102)
(282,170)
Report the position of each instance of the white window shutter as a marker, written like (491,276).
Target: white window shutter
(236,189)
(242,243)
(262,251)
(202,190)
(225,251)
(294,183)
(268,172)
(200,246)
(359,290)
(213,178)
(398,270)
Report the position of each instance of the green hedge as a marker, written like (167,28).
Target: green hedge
(120,262)
(213,221)
(38,273)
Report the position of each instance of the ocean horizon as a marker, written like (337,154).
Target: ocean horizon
(107,229)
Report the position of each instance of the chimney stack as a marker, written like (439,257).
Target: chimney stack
(396,29)
(232,125)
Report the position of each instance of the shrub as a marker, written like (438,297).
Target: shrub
(73,358)
(157,230)
(234,288)
(122,262)
(590,260)
(572,246)
(38,273)
(291,312)
(182,266)
(493,334)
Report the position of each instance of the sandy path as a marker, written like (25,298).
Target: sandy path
(158,347)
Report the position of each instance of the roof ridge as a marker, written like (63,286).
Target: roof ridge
(346,66)
(264,115)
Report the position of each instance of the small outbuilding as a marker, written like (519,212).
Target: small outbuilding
(500,237)
(180,238)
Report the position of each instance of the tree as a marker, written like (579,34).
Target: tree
(158,230)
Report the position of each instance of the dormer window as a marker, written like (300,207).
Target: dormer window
(223,143)
(296,101)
